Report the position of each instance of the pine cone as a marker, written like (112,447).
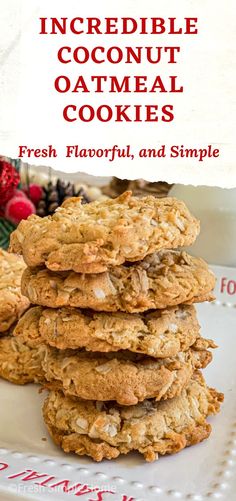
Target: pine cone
(55,194)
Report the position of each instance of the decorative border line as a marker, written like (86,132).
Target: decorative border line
(227,304)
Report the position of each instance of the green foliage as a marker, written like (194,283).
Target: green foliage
(5,230)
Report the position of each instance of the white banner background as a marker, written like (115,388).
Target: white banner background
(31,109)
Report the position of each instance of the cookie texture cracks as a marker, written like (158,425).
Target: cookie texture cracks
(90,238)
(12,302)
(165,278)
(153,428)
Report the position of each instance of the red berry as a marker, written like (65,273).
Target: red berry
(19,193)
(19,208)
(9,179)
(35,193)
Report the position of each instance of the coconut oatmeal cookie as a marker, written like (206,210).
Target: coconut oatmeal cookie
(21,363)
(12,302)
(106,430)
(21,356)
(166,278)
(160,334)
(89,238)
(125,377)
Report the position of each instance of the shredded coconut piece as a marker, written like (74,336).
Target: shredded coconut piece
(82,423)
(154,223)
(181,314)
(180,223)
(173,328)
(53,284)
(110,429)
(104,368)
(99,293)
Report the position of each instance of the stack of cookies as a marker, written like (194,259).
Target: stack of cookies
(118,337)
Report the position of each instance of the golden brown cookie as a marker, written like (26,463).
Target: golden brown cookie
(125,377)
(21,357)
(106,430)
(160,334)
(12,302)
(166,278)
(89,238)
(20,363)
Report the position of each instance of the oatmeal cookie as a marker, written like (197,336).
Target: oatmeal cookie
(21,356)
(89,238)
(160,334)
(106,430)
(125,377)
(166,278)
(21,363)
(12,302)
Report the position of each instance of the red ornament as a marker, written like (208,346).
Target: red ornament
(9,179)
(34,192)
(19,208)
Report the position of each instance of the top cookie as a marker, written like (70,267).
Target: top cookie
(91,238)
(12,302)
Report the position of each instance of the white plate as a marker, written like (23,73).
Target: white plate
(203,472)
